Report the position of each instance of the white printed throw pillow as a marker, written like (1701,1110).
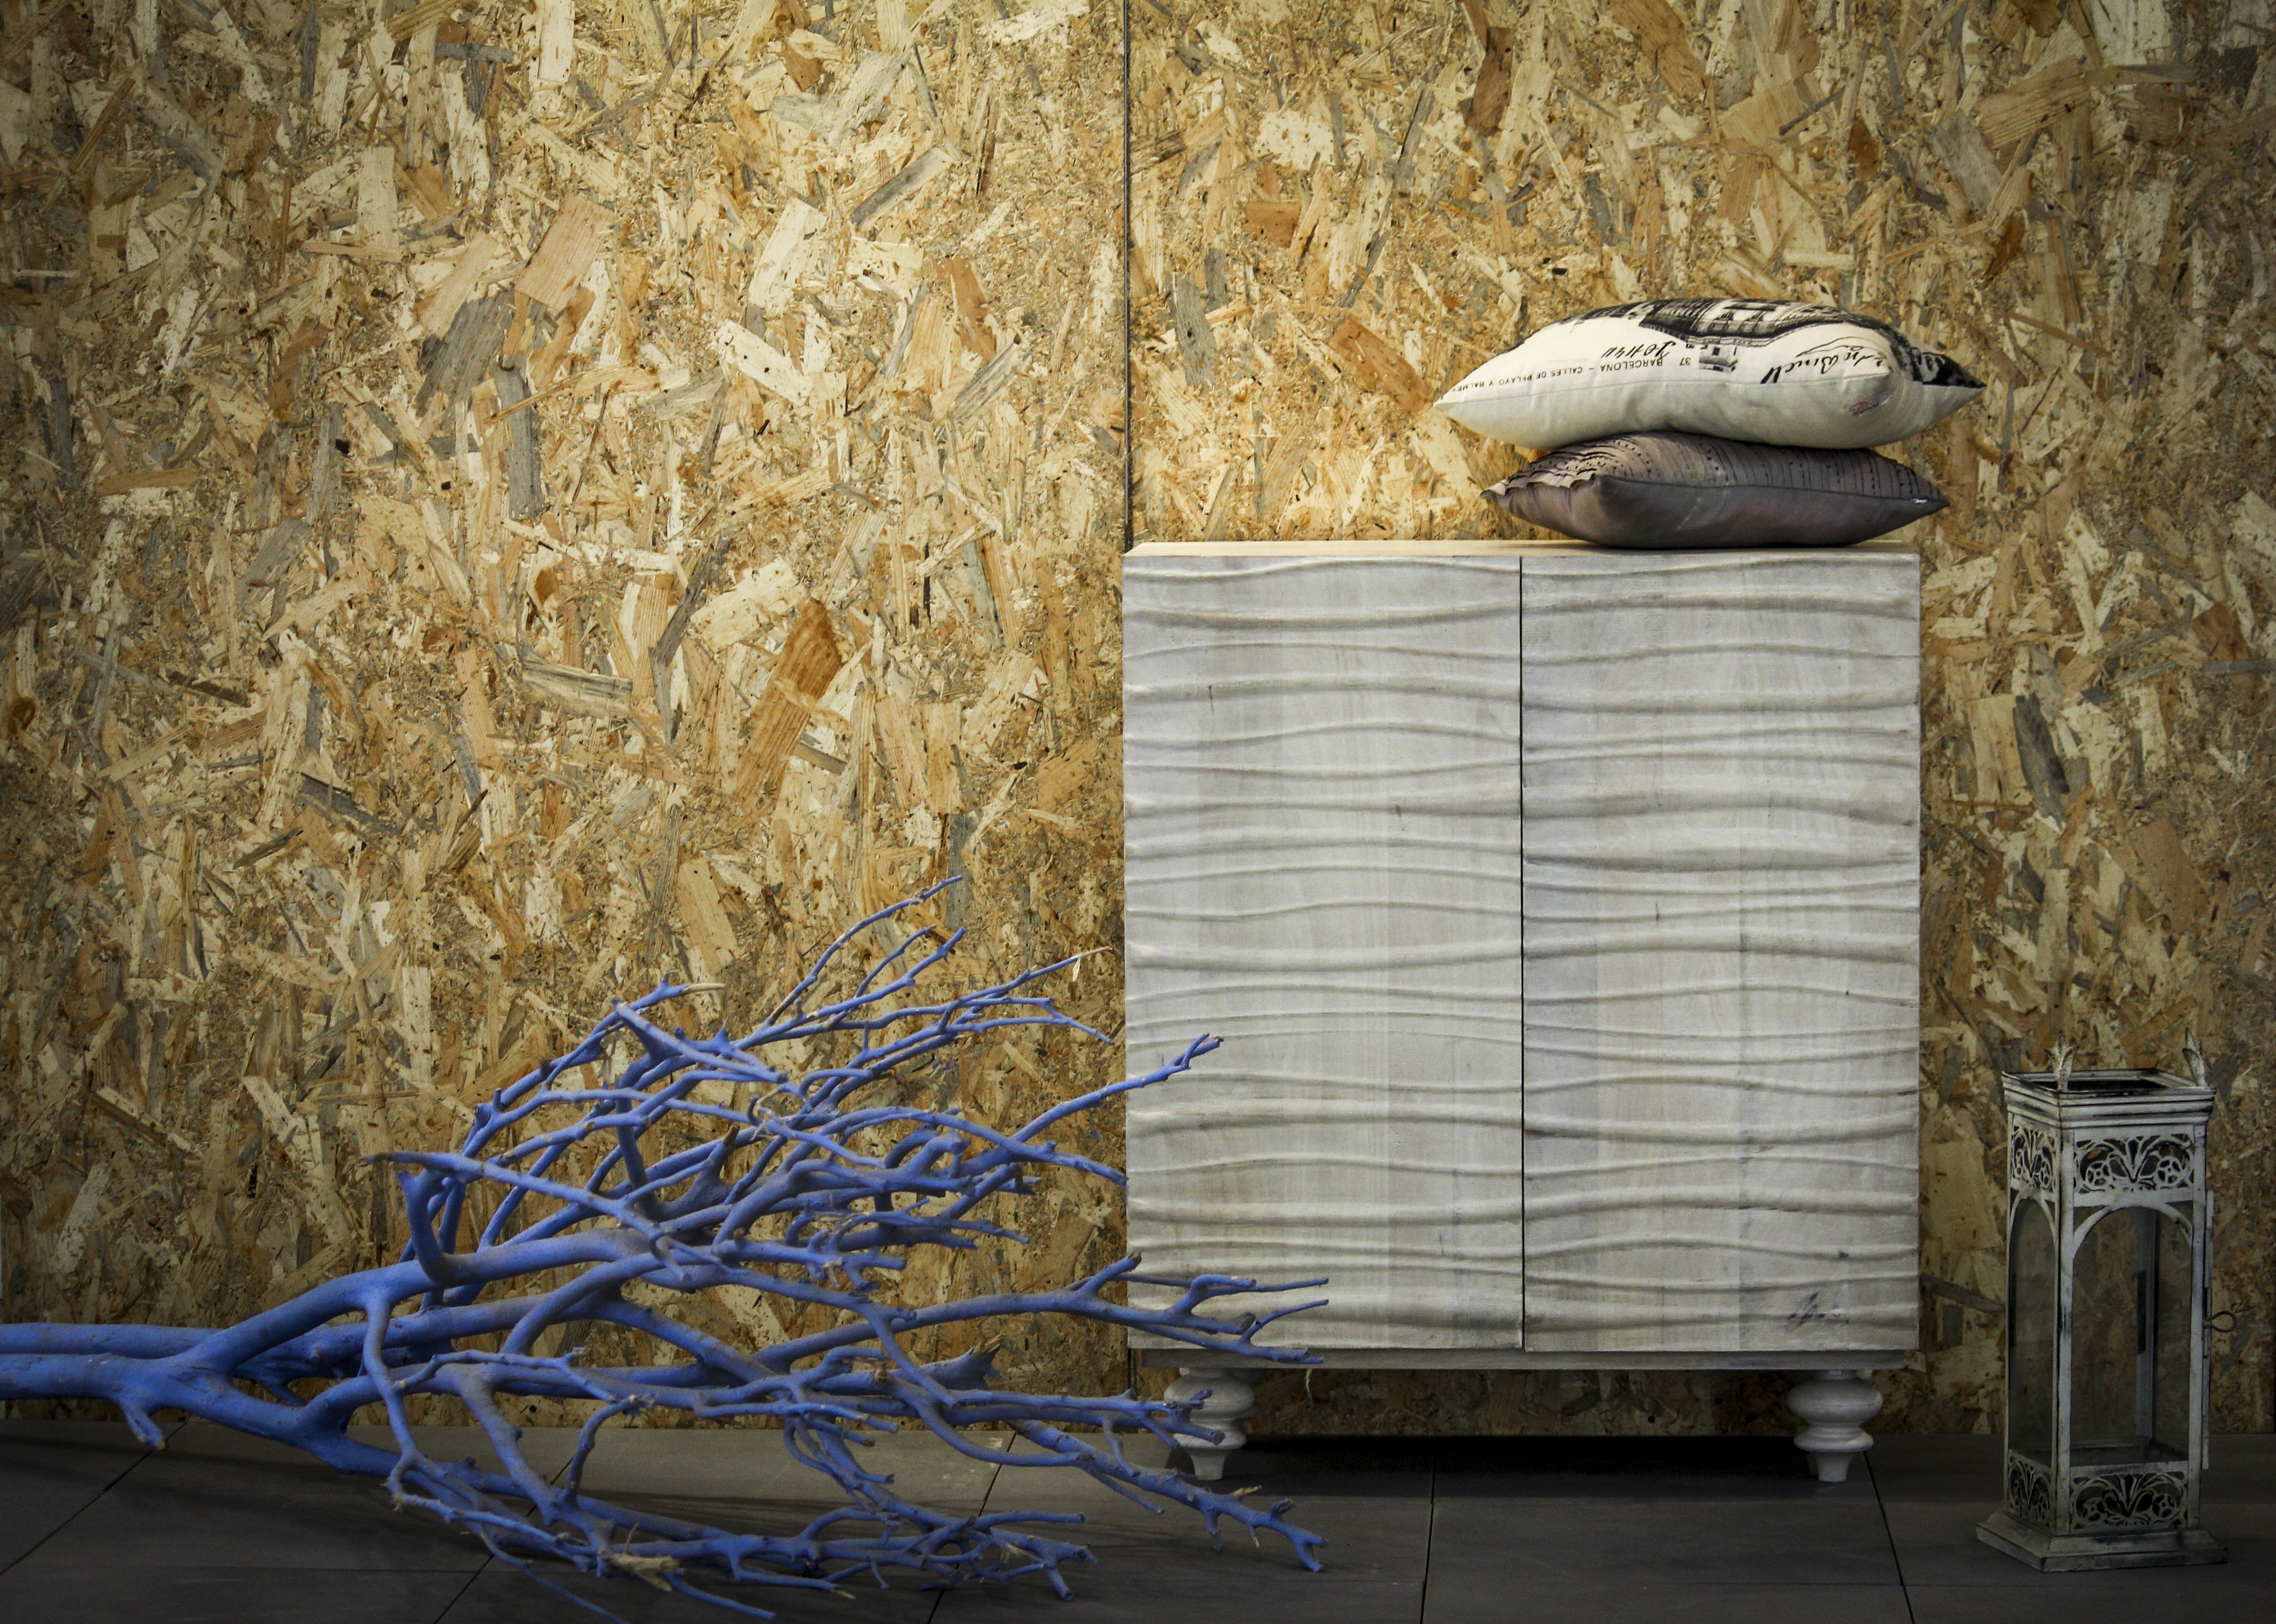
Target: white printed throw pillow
(1740,369)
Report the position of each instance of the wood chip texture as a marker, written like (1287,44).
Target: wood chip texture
(417,635)
(454,448)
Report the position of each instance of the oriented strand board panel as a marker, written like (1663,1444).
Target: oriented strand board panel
(1722,765)
(504,505)
(194,290)
(1321,795)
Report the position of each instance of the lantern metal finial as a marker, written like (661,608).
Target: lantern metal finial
(2109,1249)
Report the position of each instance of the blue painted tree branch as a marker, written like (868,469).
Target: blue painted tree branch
(700,1164)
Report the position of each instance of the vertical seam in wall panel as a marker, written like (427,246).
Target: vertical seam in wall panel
(1129,364)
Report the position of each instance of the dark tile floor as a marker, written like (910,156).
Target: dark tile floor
(219,1528)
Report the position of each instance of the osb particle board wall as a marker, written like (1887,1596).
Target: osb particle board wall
(1339,208)
(510,501)
(506,503)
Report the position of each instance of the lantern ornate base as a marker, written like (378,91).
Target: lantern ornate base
(1232,1399)
(1833,1406)
(2076,1553)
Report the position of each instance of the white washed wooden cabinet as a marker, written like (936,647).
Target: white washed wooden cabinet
(1559,911)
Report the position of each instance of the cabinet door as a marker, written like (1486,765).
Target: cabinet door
(1321,784)
(1722,760)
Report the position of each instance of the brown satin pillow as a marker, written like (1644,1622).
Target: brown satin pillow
(1667,491)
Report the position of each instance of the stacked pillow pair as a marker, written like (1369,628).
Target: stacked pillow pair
(1714,422)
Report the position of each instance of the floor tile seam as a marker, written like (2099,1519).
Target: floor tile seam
(1429,1544)
(460,1594)
(1626,1586)
(1687,1583)
(995,1468)
(1300,1577)
(1658,1500)
(1692,1582)
(2209,1580)
(1794,1490)
(1889,1532)
(116,1478)
(130,1565)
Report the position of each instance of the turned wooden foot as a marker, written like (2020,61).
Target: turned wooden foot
(1834,1407)
(1227,1398)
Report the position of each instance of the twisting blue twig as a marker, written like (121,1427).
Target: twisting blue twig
(793,1187)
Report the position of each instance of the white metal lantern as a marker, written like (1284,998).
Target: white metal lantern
(2109,1242)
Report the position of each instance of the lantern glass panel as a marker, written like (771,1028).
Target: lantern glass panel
(2129,1348)
(2176,1315)
(2031,1287)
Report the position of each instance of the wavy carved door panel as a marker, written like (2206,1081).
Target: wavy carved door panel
(1722,761)
(1323,870)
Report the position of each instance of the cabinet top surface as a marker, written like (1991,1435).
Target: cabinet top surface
(1878,551)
